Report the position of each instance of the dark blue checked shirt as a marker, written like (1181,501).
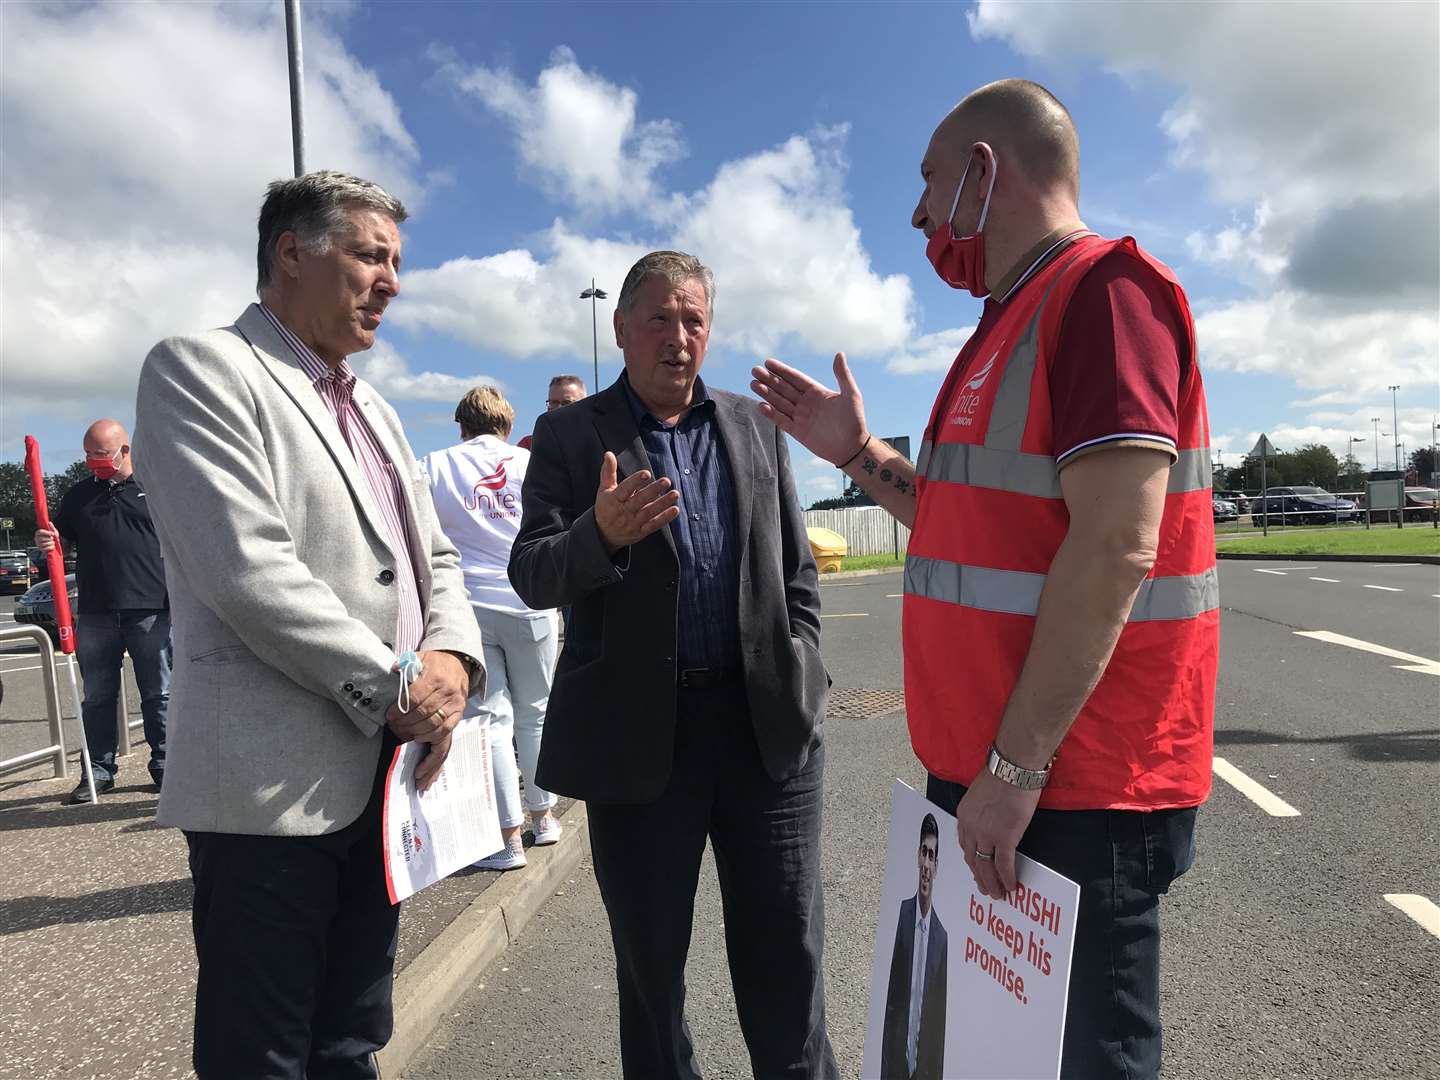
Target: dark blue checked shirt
(691,455)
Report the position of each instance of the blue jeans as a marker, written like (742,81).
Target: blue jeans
(1123,860)
(101,642)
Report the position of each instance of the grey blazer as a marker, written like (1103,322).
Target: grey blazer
(610,723)
(282,584)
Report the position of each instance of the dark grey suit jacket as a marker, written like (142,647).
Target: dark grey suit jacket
(610,725)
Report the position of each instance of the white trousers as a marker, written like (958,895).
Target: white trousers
(520,664)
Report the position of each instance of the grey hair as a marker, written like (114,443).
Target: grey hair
(315,207)
(675,267)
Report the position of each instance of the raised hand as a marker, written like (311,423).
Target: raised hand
(828,423)
(630,510)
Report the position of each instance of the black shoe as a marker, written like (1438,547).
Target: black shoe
(81,794)
(157,777)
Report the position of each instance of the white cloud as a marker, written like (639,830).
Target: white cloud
(386,370)
(789,266)
(1321,126)
(930,353)
(132,175)
(577,131)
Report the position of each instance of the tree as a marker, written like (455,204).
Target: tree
(1423,461)
(16,501)
(828,504)
(1311,464)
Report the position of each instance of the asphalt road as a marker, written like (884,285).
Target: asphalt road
(1282,958)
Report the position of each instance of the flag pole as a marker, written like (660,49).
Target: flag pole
(64,620)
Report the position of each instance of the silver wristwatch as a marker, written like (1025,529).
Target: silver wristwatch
(1002,768)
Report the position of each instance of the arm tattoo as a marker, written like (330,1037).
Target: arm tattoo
(902,485)
(869,464)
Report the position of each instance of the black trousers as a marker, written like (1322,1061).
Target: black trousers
(296,941)
(766,838)
(1123,861)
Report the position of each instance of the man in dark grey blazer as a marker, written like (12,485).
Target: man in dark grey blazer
(689,700)
(303,556)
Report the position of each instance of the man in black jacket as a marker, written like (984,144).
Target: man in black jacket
(913,1044)
(689,700)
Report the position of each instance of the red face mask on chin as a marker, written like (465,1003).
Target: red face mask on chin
(104,468)
(960,260)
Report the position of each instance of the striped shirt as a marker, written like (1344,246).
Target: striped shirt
(336,388)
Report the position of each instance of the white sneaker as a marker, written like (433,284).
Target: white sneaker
(510,857)
(547,830)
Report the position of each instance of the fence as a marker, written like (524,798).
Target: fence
(1286,512)
(868,530)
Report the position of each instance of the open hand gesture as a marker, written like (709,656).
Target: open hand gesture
(630,510)
(830,424)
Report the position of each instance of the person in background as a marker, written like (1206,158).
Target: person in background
(564,390)
(476,490)
(123,605)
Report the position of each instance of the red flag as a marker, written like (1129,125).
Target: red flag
(55,560)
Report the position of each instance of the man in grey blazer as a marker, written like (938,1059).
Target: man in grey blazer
(303,557)
(689,700)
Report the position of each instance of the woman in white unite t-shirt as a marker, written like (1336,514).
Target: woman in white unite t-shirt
(476,489)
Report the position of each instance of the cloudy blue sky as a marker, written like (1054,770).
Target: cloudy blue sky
(1283,158)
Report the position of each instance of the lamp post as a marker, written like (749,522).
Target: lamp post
(1395,423)
(296,59)
(592,294)
(1350,450)
(1376,421)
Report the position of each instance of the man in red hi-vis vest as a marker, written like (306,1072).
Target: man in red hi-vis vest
(1061,620)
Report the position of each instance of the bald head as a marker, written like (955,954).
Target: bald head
(1025,125)
(108,440)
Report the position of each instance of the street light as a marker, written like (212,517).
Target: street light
(592,294)
(1376,421)
(1395,423)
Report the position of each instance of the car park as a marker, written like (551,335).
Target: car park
(37,607)
(1301,505)
(16,573)
(1239,498)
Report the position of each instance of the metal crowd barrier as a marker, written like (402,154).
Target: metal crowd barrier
(56,750)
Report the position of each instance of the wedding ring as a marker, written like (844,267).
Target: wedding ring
(984,857)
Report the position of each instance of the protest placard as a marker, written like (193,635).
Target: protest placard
(964,987)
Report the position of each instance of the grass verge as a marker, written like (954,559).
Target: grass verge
(1380,540)
(871,562)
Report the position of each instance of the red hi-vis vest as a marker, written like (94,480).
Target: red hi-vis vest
(989,520)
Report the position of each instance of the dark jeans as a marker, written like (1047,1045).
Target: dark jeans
(101,642)
(1123,861)
(296,941)
(766,838)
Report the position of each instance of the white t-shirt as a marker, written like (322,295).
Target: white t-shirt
(476,489)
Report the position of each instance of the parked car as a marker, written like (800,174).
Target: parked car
(37,559)
(15,571)
(1225,510)
(1419,506)
(1305,505)
(1239,498)
(37,607)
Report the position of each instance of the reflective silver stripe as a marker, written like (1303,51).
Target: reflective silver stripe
(974,586)
(1017,593)
(1024,474)
(1012,398)
(923,461)
(1168,598)
(1192,471)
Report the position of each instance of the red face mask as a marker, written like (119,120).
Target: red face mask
(960,260)
(104,468)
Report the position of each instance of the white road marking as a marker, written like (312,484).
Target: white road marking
(893,595)
(1387,565)
(1331,580)
(848,615)
(14,670)
(1383,588)
(1417,663)
(1257,570)
(1272,804)
(1419,908)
